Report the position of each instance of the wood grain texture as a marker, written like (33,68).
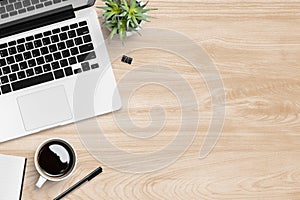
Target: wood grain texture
(255,46)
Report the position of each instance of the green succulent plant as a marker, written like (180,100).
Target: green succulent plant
(124,15)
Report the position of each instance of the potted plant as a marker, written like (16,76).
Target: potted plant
(124,17)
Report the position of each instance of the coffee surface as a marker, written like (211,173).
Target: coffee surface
(56,158)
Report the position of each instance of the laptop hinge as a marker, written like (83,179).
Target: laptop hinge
(37,21)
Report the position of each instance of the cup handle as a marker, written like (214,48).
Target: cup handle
(40,182)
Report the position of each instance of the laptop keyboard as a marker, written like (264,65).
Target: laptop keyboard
(9,8)
(45,57)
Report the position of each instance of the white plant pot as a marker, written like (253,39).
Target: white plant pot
(131,33)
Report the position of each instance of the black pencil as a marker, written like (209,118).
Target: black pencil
(76,185)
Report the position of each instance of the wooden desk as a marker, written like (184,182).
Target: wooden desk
(255,46)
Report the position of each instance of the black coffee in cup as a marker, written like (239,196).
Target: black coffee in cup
(56,158)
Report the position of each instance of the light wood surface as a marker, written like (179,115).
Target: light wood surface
(255,46)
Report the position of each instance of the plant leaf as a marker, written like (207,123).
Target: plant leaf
(113,32)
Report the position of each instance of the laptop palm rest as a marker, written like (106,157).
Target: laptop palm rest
(44,108)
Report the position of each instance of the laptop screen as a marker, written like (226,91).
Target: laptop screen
(16,10)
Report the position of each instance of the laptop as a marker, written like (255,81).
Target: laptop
(46,46)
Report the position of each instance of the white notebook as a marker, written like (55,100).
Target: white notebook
(12,170)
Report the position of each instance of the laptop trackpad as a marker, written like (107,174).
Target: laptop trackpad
(44,108)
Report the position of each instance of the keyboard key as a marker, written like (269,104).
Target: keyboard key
(85,66)
(21,75)
(38,36)
(14,67)
(78,41)
(34,1)
(29,72)
(12,43)
(46,41)
(86,56)
(21,48)
(13,77)
(2,62)
(9,8)
(83,23)
(74,51)
(44,50)
(63,36)
(32,81)
(29,46)
(82,31)
(6,70)
(65,28)
(65,53)
(18,5)
(55,31)
(87,38)
(70,43)
(19,57)
(40,5)
(13,13)
(40,60)
(23,65)
(48,3)
(49,58)
(38,70)
(2,46)
(56,1)
(4,79)
(52,48)
(47,68)
(10,60)
(3,2)
(55,65)
(47,33)
(54,38)
(27,55)
(31,63)
(68,71)
(22,11)
(4,16)
(12,50)
(20,41)
(63,63)
(95,66)
(61,46)
(77,71)
(59,74)
(26,3)
(72,61)
(2,10)
(36,53)
(37,43)
(86,47)
(5,89)
(29,38)
(57,56)
(3,53)
(72,34)
(73,26)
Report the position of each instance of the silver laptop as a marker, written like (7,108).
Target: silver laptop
(46,46)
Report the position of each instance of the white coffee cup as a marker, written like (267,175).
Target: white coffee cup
(55,160)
